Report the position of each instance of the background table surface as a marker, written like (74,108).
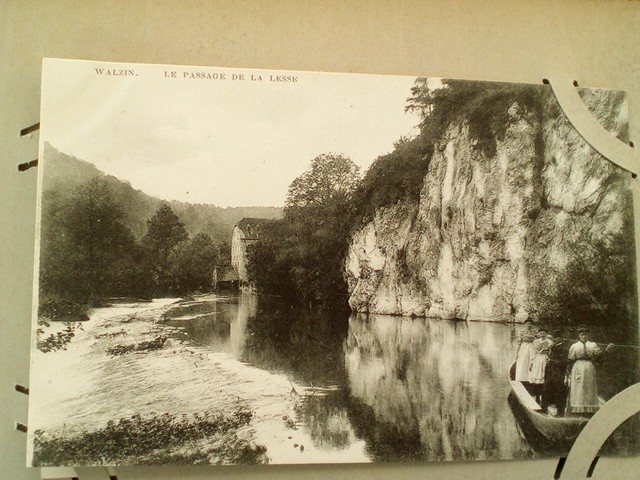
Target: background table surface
(596,43)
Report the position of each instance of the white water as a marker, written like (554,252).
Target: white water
(82,387)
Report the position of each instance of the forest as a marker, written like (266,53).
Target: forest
(89,255)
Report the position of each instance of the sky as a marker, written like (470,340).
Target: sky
(205,135)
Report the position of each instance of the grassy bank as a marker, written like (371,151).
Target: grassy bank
(154,439)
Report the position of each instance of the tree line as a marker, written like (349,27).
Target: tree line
(88,254)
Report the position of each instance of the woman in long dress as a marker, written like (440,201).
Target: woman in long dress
(523,354)
(583,388)
(540,355)
(554,396)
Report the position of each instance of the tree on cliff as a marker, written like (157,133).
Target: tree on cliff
(422,98)
(164,232)
(482,106)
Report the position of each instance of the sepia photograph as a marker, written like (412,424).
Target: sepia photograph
(241,266)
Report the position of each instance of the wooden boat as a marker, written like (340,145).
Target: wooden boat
(555,429)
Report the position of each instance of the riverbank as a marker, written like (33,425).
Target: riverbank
(154,439)
(124,392)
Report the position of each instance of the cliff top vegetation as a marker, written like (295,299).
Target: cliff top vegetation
(482,106)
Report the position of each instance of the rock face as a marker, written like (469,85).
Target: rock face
(497,237)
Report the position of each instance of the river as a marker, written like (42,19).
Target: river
(323,389)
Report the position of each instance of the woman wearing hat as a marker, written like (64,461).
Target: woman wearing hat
(524,352)
(583,389)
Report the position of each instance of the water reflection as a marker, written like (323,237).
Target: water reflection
(327,418)
(306,345)
(206,320)
(247,309)
(440,384)
(411,389)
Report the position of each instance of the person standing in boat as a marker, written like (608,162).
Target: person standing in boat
(523,355)
(583,388)
(554,396)
(540,355)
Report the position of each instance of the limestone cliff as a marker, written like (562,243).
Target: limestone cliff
(502,236)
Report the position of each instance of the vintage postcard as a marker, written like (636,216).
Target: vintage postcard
(250,267)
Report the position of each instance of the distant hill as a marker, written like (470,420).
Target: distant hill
(64,173)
